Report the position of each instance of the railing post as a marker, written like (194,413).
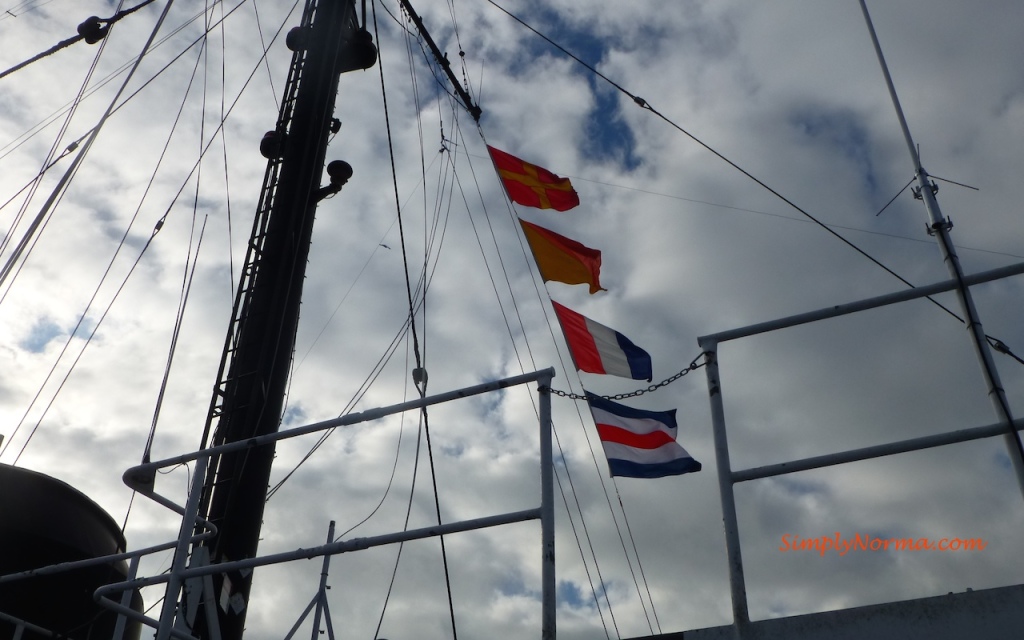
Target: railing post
(188,524)
(126,599)
(741,617)
(547,511)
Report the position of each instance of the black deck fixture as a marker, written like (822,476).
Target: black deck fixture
(45,522)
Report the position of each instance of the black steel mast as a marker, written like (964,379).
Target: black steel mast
(249,395)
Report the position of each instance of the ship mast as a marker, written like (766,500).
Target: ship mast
(248,398)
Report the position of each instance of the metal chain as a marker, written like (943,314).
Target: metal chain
(694,365)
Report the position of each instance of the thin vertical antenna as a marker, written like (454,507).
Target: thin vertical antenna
(892,90)
(940,227)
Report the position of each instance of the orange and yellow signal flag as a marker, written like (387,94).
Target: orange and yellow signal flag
(562,259)
(533,186)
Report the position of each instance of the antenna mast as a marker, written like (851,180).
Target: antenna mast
(940,228)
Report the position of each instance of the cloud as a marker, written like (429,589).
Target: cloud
(790,93)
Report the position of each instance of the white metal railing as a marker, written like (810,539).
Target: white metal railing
(142,479)
(727,477)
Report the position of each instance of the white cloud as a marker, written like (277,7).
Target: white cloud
(791,92)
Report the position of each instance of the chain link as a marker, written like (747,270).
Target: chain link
(694,365)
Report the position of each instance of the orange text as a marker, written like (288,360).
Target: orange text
(862,542)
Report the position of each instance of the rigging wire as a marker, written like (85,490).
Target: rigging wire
(419,374)
(430,66)
(387,489)
(625,552)
(48,120)
(416,103)
(435,240)
(408,513)
(59,190)
(71,148)
(186,285)
(186,289)
(569,479)
(530,357)
(110,264)
(586,529)
(462,51)
(643,104)
(358,277)
(91,135)
(385,358)
(24,7)
(357,396)
(579,546)
(594,456)
(759,212)
(266,61)
(34,130)
(63,44)
(43,216)
(187,278)
(224,137)
(88,340)
(636,553)
(32,184)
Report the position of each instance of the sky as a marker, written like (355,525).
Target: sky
(789,91)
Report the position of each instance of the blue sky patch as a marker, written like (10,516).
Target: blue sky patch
(294,415)
(608,137)
(512,585)
(42,332)
(1002,460)
(454,450)
(842,129)
(571,595)
(85,328)
(801,487)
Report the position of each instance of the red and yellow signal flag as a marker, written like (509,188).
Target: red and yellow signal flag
(563,259)
(533,186)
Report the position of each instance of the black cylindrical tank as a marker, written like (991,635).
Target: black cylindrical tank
(44,521)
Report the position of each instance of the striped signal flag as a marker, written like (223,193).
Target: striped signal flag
(598,349)
(639,443)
